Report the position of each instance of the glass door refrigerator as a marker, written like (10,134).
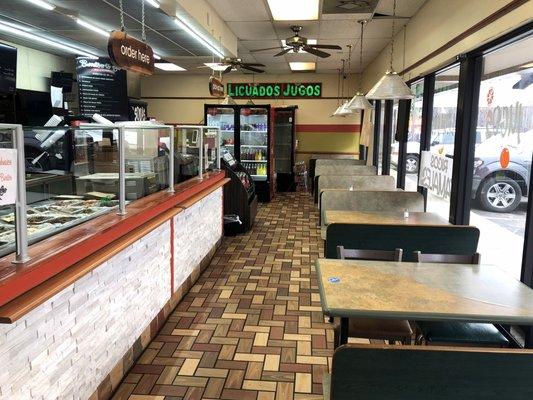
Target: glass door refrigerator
(284,147)
(248,138)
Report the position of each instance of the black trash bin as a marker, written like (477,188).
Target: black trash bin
(232,225)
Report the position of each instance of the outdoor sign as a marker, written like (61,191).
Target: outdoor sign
(216,87)
(8,176)
(131,54)
(289,90)
(436,174)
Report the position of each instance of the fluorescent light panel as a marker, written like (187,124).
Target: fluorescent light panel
(302,66)
(216,66)
(27,35)
(190,30)
(92,27)
(294,10)
(153,3)
(169,67)
(42,4)
(157,57)
(309,41)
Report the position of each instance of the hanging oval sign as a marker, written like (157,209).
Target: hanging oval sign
(216,87)
(131,54)
(505,158)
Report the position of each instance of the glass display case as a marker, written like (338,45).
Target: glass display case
(188,152)
(211,148)
(73,175)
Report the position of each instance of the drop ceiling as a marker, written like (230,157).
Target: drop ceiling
(250,21)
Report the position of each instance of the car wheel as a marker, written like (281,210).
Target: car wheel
(411,164)
(500,195)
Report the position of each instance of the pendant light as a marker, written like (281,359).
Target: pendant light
(391,86)
(359,101)
(342,111)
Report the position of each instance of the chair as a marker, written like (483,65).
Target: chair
(457,333)
(371,328)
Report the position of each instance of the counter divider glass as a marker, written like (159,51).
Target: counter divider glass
(70,175)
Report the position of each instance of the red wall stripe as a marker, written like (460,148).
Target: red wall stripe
(328,128)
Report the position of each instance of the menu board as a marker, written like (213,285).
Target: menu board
(8,68)
(102,89)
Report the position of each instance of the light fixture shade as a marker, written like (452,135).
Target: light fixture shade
(228,100)
(390,87)
(250,103)
(359,102)
(342,110)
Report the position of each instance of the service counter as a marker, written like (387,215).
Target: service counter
(87,303)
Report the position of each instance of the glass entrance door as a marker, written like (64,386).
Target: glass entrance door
(254,142)
(224,118)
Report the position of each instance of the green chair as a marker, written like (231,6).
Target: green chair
(452,332)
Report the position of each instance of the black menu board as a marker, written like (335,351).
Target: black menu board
(102,89)
(8,68)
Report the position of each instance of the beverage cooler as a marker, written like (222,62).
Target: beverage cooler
(246,134)
(284,147)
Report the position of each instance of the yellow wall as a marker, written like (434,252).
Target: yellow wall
(189,93)
(436,23)
(34,67)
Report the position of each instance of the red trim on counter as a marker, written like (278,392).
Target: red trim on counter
(57,253)
(328,128)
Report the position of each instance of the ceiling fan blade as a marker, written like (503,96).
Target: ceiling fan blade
(227,69)
(252,69)
(386,16)
(268,48)
(285,51)
(316,52)
(253,64)
(325,46)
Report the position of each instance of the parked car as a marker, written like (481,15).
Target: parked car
(499,189)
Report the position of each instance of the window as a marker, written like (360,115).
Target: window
(381,129)
(395,145)
(443,132)
(503,152)
(412,157)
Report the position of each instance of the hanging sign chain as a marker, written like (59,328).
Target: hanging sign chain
(392,35)
(122,25)
(361,57)
(143,25)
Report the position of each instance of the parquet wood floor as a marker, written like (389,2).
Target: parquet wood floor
(252,325)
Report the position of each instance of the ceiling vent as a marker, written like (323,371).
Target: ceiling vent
(349,6)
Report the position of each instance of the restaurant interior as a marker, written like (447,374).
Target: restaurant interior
(266,199)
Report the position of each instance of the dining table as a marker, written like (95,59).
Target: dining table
(421,292)
(381,218)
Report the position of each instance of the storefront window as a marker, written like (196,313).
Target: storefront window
(504,146)
(443,133)
(381,129)
(395,145)
(412,158)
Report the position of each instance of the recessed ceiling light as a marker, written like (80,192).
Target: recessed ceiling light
(153,3)
(42,4)
(309,41)
(216,66)
(180,21)
(92,27)
(53,43)
(302,66)
(294,10)
(169,67)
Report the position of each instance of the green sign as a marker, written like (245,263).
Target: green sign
(290,90)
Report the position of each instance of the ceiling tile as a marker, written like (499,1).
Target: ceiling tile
(341,29)
(240,10)
(253,30)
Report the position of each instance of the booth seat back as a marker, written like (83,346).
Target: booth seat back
(344,162)
(358,182)
(314,157)
(376,200)
(444,239)
(379,372)
(342,170)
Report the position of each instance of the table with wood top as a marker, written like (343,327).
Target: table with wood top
(421,291)
(380,218)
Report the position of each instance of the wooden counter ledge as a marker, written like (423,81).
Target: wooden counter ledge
(61,259)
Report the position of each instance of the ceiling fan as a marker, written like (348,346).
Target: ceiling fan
(234,63)
(296,43)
